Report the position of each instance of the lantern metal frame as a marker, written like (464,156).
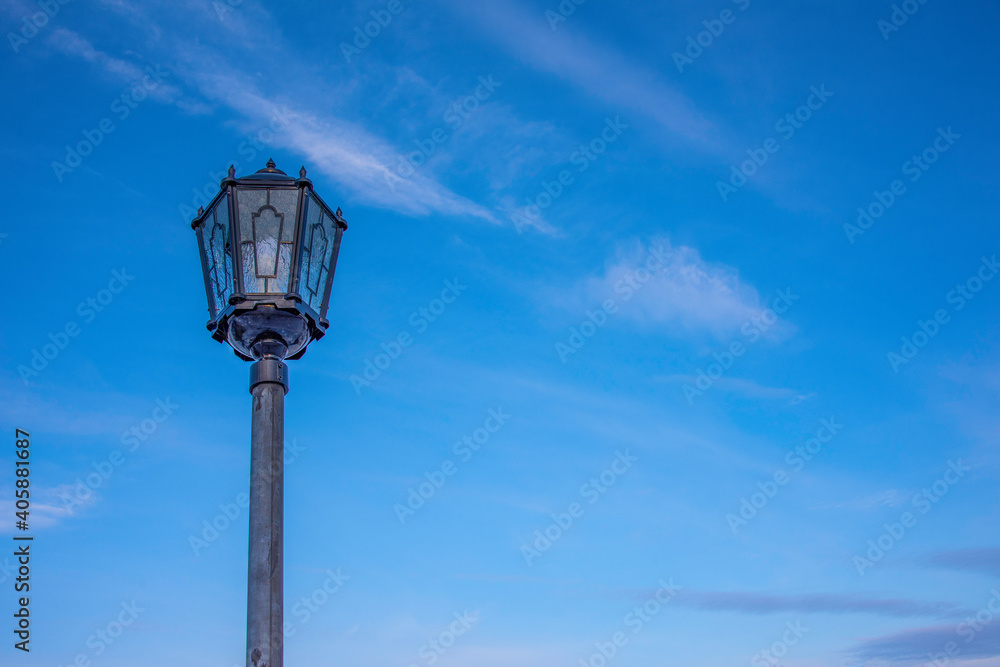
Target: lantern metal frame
(258,308)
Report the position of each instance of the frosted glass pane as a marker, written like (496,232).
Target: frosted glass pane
(286,203)
(249,202)
(217,248)
(319,238)
(249,268)
(266,228)
(280,284)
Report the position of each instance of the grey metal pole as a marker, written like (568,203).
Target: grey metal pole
(265,589)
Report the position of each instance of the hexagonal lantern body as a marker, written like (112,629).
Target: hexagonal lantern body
(269,249)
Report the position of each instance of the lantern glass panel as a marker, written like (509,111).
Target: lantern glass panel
(219,261)
(318,242)
(267,236)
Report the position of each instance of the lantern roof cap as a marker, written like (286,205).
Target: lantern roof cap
(269,173)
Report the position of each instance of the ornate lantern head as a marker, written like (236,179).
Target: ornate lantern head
(269,248)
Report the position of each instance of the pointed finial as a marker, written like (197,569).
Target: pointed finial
(232,171)
(340,214)
(201,209)
(271,169)
(302,172)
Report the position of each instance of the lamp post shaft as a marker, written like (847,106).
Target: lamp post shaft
(267,486)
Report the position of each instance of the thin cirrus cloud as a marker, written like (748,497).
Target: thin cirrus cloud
(46,511)
(826,603)
(983,561)
(358,160)
(743,387)
(70,43)
(684,293)
(95,420)
(875,501)
(344,151)
(914,646)
(599,71)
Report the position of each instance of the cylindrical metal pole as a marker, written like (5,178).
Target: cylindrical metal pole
(268,385)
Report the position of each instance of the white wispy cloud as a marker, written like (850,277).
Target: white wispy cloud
(888,498)
(744,387)
(599,71)
(72,44)
(984,560)
(47,508)
(747,602)
(340,149)
(683,293)
(913,646)
(504,655)
(360,161)
(30,407)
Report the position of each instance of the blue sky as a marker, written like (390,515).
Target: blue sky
(649,213)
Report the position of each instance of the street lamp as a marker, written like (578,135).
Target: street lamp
(269,248)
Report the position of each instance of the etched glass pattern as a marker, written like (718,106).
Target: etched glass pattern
(317,250)
(216,233)
(267,229)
